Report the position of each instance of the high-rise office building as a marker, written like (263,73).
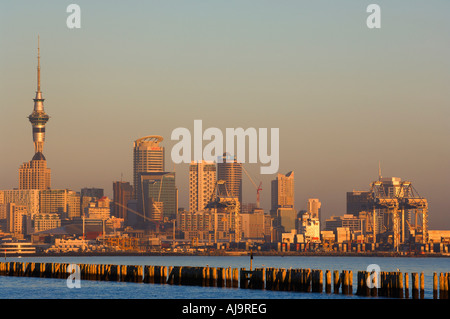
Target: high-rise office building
(202,180)
(92,192)
(122,193)
(26,197)
(148,157)
(35,174)
(283,191)
(159,196)
(62,201)
(230,170)
(359,201)
(313,207)
(283,200)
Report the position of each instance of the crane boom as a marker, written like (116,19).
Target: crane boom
(258,188)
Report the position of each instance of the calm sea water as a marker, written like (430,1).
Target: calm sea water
(47,288)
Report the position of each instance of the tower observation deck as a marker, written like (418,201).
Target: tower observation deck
(38,118)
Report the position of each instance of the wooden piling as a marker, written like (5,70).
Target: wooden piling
(415,285)
(446,284)
(391,284)
(228,276)
(435,285)
(270,278)
(345,282)
(307,280)
(235,277)
(336,282)
(243,282)
(400,285)
(350,282)
(406,285)
(422,286)
(328,281)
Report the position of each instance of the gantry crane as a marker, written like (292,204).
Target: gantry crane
(397,203)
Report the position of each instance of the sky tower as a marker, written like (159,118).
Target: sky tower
(38,117)
(35,174)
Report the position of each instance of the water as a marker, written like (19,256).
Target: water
(49,288)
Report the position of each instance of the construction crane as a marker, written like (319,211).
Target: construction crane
(258,188)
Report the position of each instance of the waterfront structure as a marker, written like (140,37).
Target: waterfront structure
(353,223)
(9,247)
(230,171)
(35,174)
(343,234)
(202,180)
(148,157)
(122,193)
(397,201)
(439,236)
(99,209)
(310,227)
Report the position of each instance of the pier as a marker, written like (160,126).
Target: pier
(368,284)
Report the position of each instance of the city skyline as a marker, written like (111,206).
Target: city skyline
(390,105)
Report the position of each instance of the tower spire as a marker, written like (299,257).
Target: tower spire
(379,171)
(39,68)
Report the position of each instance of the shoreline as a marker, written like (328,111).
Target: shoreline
(230,254)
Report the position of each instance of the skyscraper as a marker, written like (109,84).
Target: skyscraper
(35,174)
(283,191)
(159,196)
(283,210)
(122,192)
(231,172)
(148,157)
(358,201)
(314,207)
(202,180)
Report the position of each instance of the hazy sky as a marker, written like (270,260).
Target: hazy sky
(343,96)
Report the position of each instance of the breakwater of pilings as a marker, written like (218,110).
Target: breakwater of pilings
(369,284)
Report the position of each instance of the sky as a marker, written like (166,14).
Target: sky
(344,97)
